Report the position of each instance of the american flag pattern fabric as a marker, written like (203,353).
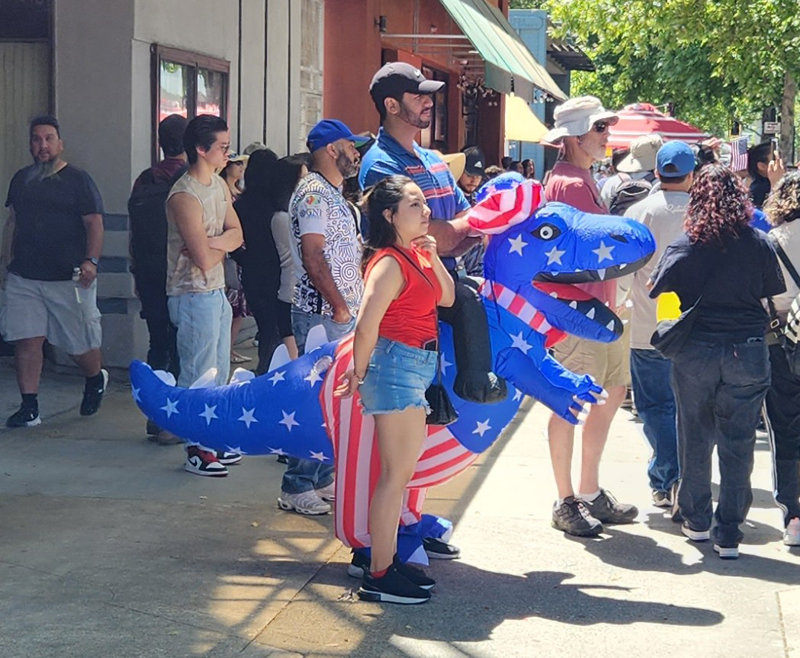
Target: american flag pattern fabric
(739,154)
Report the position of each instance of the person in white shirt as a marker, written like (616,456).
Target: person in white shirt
(663,214)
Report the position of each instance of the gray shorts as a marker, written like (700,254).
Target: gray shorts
(61,311)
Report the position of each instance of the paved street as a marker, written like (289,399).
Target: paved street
(108,549)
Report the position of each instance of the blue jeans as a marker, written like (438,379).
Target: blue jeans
(305,474)
(655,402)
(719,388)
(203,321)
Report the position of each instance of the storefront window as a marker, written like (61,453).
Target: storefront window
(435,136)
(187,84)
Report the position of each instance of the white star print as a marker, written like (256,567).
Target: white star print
(482,427)
(554,255)
(517,244)
(236,451)
(444,364)
(318,455)
(517,395)
(171,407)
(313,377)
(288,420)
(247,416)
(135,393)
(277,377)
(603,252)
(208,413)
(276,451)
(519,342)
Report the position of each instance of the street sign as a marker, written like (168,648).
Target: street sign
(772,127)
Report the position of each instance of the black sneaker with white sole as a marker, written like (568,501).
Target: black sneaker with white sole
(359,565)
(572,517)
(25,416)
(93,395)
(606,509)
(228,458)
(393,587)
(436,549)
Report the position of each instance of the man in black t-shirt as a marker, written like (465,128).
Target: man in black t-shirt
(51,249)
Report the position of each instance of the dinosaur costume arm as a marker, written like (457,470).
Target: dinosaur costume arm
(548,381)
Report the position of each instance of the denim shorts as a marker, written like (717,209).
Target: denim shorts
(397,377)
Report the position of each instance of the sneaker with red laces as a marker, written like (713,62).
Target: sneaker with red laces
(203,462)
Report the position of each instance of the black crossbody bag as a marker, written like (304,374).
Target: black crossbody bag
(442,410)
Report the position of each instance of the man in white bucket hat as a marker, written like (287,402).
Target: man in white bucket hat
(581,131)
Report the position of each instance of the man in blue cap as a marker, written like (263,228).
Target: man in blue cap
(329,288)
(662,212)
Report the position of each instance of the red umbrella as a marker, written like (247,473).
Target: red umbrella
(644,119)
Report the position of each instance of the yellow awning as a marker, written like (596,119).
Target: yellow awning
(522,125)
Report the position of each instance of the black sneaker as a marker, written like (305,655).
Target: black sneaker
(437,549)
(24,417)
(394,587)
(93,396)
(228,458)
(359,565)
(606,509)
(572,517)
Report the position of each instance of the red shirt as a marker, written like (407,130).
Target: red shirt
(411,318)
(576,187)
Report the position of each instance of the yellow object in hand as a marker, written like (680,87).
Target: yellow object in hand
(668,306)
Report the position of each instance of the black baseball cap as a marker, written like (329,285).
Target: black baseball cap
(475,161)
(396,78)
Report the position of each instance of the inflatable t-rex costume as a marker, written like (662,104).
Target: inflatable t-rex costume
(533,258)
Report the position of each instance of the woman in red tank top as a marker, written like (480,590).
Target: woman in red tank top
(395,358)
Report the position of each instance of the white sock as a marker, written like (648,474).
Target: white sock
(589,498)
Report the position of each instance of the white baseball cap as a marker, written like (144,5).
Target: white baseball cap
(576,116)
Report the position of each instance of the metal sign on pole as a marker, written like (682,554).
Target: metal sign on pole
(772,127)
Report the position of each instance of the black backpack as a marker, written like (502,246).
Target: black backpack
(147,213)
(629,192)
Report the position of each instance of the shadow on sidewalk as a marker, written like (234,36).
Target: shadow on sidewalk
(638,553)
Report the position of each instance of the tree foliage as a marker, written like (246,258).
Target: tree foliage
(714,59)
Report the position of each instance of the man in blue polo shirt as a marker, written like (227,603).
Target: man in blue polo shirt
(402,96)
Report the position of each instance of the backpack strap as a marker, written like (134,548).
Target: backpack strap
(786,262)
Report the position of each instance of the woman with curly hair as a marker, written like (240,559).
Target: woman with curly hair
(723,268)
(783,397)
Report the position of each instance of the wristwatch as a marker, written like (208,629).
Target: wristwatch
(93,261)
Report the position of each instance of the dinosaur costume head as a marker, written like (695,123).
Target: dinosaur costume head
(543,252)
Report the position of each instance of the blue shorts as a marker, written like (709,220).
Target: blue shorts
(397,377)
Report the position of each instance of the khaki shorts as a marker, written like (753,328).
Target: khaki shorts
(61,311)
(608,363)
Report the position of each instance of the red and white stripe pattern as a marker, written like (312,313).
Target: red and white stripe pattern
(641,119)
(521,308)
(358,460)
(739,154)
(506,207)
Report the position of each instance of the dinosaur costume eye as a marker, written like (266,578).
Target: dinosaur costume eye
(546,232)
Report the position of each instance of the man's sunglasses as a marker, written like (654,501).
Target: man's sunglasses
(600,126)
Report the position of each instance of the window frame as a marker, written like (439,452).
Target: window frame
(196,61)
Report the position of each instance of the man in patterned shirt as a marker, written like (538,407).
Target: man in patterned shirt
(329,286)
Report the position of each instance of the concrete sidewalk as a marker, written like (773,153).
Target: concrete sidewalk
(109,549)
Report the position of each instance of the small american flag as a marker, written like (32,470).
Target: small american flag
(739,154)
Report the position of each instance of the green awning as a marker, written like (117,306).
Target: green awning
(510,66)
